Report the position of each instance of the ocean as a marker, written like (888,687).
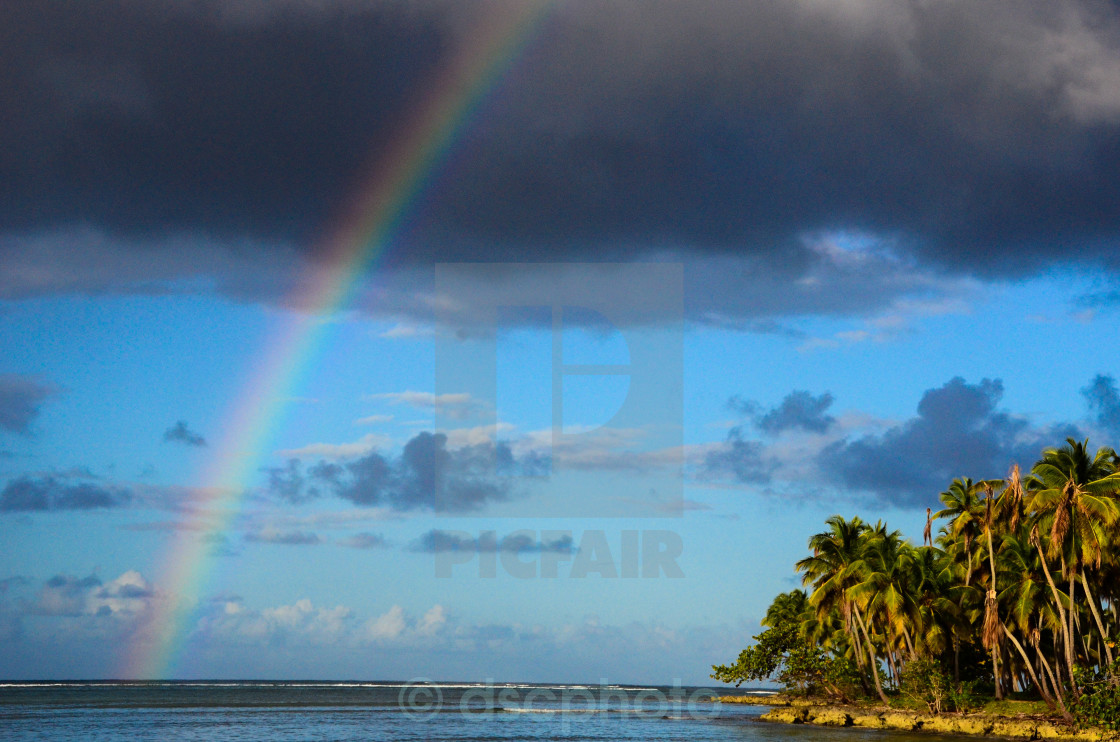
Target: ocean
(345,711)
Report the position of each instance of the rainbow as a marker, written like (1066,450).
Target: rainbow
(373,218)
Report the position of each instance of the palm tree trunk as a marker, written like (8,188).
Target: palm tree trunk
(1030,669)
(956,657)
(855,646)
(910,644)
(1097,617)
(956,637)
(1057,687)
(1061,609)
(871,656)
(991,618)
(1069,644)
(853,635)
(995,675)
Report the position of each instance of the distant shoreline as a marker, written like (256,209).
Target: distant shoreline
(788,710)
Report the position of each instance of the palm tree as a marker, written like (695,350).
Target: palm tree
(884,589)
(1009,507)
(787,607)
(964,511)
(992,635)
(1024,598)
(1036,541)
(938,616)
(878,599)
(829,572)
(1075,501)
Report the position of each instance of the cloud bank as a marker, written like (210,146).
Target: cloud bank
(800,159)
(958,430)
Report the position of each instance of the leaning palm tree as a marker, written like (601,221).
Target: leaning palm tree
(1060,600)
(1024,601)
(884,589)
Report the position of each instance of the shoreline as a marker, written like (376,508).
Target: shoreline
(977,724)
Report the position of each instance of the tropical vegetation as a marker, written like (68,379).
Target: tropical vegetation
(1015,596)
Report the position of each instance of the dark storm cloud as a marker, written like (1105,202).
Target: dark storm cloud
(1104,402)
(59,493)
(968,138)
(798,410)
(180,433)
(437,541)
(958,432)
(426,475)
(20,399)
(140,116)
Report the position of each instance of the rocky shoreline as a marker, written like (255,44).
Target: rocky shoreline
(799,711)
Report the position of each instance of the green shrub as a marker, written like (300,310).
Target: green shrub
(926,681)
(964,696)
(923,680)
(803,668)
(1099,705)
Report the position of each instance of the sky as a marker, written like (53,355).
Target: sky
(521,341)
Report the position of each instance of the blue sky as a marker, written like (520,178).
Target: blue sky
(859,303)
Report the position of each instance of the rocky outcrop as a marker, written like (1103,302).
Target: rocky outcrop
(980,725)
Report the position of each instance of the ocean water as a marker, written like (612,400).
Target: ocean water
(132,711)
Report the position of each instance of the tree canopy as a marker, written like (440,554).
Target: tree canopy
(1016,594)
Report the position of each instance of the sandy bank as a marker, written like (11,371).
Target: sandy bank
(800,711)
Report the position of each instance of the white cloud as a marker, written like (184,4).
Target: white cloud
(479,435)
(388,625)
(107,618)
(360,447)
(898,319)
(432,621)
(599,448)
(456,404)
(127,595)
(373,420)
(402,330)
(300,622)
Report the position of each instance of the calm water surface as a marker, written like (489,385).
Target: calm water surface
(115,712)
